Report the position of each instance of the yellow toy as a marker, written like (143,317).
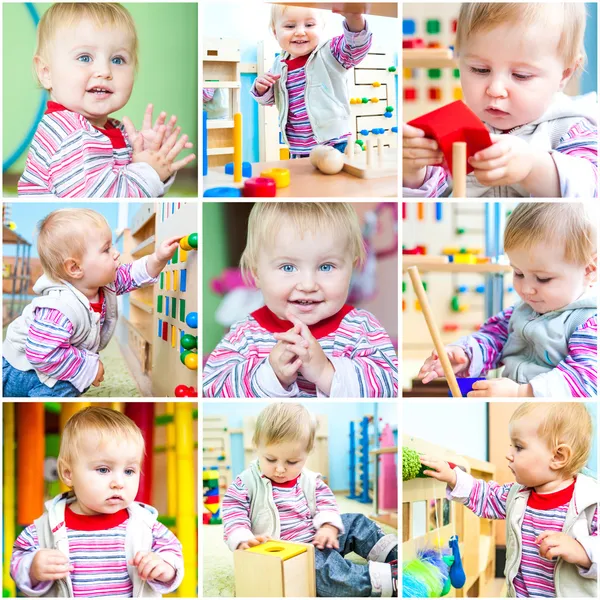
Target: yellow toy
(275,569)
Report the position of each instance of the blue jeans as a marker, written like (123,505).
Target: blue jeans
(26,384)
(338,577)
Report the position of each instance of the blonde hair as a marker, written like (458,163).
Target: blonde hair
(284,422)
(62,235)
(105,422)
(484,16)
(278,10)
(267,217)
(562,423)
(67,14)
(570,223)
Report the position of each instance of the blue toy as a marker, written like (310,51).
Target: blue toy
(223,192)
(246,169)
(457,573)
(466,384)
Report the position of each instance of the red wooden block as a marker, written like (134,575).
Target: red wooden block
(165,331)
(434,45)
(455,122)
(447,327)
(435,93)
(259,187)
(454,24)
(414,43)
(410,94)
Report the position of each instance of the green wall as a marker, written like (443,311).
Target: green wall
(214,260)
(167,75)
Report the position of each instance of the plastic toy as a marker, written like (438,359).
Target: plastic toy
(466,384)
(222,192)
(281,177)
(259,187)
(192,320)
(184,244)
(327,159)
(237,147)
(246,169)
(190,360)
(189,342)
(275,569)
(185,391)
(455,122)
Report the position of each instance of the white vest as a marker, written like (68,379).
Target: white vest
(568,582)
(52,534)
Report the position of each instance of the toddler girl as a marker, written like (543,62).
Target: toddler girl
(548,341)
(94,540)
(551,511)
(515,60)
(308,80)
(86,58)
(303,509)
(52,348)
(306,341)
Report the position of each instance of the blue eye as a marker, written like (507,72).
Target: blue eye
(327,268)
(84,58)
(102,470)
(118,60)
(288,268)
(130,471)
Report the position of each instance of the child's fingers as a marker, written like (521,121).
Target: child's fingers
(147,122)
(543,536)
(137,143)
(157,142)
(289,337)
(490,164)
(494,151)
(179,164)
(412,132)
(414,153)
(177,148)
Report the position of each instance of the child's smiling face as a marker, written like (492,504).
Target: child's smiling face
(89,70)
(510,73)
(298,31)
(545,280)
(308,275)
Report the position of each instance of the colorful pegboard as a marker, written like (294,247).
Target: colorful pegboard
(176,297)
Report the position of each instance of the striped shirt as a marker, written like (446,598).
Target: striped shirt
(578,178)
(577,372)
(544,512)
(69,158)
(349,50)
(358,347)
(296,522)
(48,348)
(97,555)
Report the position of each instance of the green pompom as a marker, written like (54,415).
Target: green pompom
(411,465)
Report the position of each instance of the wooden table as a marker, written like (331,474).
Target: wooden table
(381,9)
(307,182)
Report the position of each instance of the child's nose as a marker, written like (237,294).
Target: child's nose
(103,69)
(307,283)
(116,255)
(497,89)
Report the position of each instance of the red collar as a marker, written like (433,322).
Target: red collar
(94,522)
(114,134)
(267,319)
(296,63)
(551,500)
(288,484)
(97,306)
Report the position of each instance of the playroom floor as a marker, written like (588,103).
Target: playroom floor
(118,381)
(218,559)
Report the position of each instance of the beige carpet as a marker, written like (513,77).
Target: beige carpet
(218,559)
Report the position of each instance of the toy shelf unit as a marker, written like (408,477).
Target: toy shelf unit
(16,274)
(459,253)
(430,75)
(216,447)
(429,519)
(221,73)
(362,439)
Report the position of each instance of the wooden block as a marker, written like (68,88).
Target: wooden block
(275,569)
(386,167)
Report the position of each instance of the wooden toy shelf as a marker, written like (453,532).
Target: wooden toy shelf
(476,535)
(428,58)
(433,263)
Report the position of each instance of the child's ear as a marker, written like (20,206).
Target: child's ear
(562,455)
(66,475)
(73,268)
(591,270)
(568,73)
(43,72)
(255,277)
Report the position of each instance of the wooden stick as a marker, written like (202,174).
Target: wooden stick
(350,148)
(417,284)
(459,169)
(369,151)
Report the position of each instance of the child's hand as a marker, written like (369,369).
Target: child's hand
(355,22)
(259,539)
(326,537)
(495,388)
(507,161)
(148,132)
(264,82)
(162,152)
(167,248)
(99,375)
(418,152)
(432,367)
(283,361)
(554,544)
(49,565)
(316,367)
(440,470)
(151,566)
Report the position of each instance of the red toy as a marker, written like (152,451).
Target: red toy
(455,122)
(414,43)
(262,187)
(183,391)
